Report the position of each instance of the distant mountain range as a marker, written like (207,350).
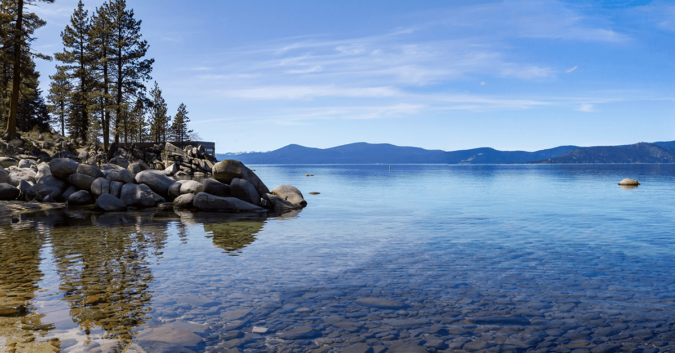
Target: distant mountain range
(367,153)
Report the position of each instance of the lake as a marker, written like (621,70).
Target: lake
(419,258)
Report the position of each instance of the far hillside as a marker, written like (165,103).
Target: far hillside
(367,153)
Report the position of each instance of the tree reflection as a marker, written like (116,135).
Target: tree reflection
(105,274)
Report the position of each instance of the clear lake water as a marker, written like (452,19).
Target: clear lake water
(419,258)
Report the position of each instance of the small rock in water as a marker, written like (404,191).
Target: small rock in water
(629,181)
(314,193)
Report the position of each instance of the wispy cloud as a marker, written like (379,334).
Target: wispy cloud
(587,107)
(571,69)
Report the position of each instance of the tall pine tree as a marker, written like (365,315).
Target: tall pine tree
(179,129)
(130,69)
(60,91)
(100,35)
(77,64)
(159,121)
(20,44)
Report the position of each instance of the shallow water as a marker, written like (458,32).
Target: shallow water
(420,258)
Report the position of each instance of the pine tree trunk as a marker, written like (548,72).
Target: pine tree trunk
(14,105)
(63,120)
(106,113)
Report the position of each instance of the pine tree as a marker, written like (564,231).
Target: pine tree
(130,69)
(179,128)
(159,121)
(100,35)
(20,44)
(60,91)
(138,126)
(77,61)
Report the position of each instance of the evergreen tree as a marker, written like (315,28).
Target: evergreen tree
(179,128)
(77,62)
(20,43)
(32,110)
(100,35)
(159,121)
(138,125)
(60,91)
(130,69)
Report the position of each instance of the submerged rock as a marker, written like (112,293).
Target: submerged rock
(629,181)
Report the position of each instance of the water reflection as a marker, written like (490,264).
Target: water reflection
(103,267)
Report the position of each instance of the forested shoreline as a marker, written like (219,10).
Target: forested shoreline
(101,92)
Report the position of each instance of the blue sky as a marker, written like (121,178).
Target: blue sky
(528,75)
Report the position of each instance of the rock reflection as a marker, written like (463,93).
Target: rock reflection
(105,273)
(233,236)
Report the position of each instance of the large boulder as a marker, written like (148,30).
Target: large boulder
(216,188)
(90,170)
(291,194)
(47,181)
(123,176)
(110,203)
(69,191)
(206,202)
(226,170)
(48,194)
(7,162)
(81,181)
(174,190)
(82,197)
(111,167)
(26,163)
(43,170)
(191,187)
(18,174)
(8,192)
(4,175)
(184,201)
(122,162)
(156,180)
(100,186)
(243,190)
(23,188)
(139,195)
(63,167)
(116,188)
(171,170)
(279,204)
(134,168)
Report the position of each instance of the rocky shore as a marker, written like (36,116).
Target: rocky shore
(133,177)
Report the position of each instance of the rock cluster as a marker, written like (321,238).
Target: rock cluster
(235,188)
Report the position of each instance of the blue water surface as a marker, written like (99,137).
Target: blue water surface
(400,258)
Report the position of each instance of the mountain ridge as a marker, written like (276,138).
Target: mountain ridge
(384,153)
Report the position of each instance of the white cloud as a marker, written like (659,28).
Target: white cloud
(586,107)
(571,69)
(309,92)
